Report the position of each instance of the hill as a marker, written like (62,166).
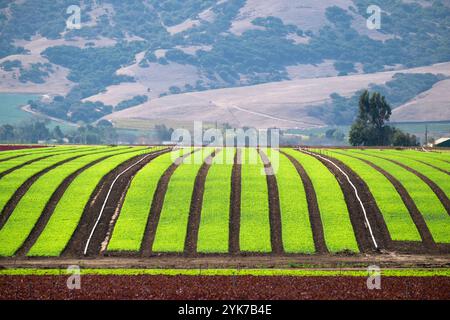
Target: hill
(126,50)
(286,104)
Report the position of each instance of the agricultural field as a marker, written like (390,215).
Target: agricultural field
(164,208)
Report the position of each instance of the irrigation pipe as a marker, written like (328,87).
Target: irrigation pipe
(356,193)
(109,193)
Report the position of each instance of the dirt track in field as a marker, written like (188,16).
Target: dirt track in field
(375,217)
(50,208)
(235,205)
(274,206)
(313,207)
(76,245)
(219,287)
(354,209)
(12,148)
(156,207)
(190,246)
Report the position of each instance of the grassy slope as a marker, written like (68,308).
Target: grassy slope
(255,224)
(130,227)
(435,215)
(172,227)
(31,205)
(296,227)
(398,220)
(69,210)
(338,230)
(213,232)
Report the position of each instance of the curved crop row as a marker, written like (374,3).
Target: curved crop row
(424,157)
(172,227)
(23,152)
(400,225)
(435,215)
(337,227)
(70,207)
(213,234)
(296,227)
(13,163)
(441,180)
(255,216)
(11,182)
(130,227)
(31,205)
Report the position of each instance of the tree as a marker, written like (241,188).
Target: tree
(370,127)
(57,134)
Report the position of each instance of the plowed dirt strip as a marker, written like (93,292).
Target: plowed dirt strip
(338,229)
(354,209)
(276,238)
(129,230)
(254,235)
(213,233)
(172,227)
(219,287)
(190,245)
(102,222)
(235,206)
(158,200)
(313,206)
(374,216)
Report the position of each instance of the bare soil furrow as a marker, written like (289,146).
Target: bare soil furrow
(190,246)
(313,207)
(276,236)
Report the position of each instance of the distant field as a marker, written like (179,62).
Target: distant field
(134,202)
(10,111)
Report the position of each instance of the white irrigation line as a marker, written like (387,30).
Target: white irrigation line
(356,193)
(109,193)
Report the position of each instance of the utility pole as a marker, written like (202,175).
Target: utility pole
(426,135)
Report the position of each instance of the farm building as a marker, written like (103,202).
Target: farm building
(442,143)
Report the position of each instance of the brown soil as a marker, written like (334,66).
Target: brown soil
(235,205)
(416,216)
(50,208)
(20,192)
(12,148)
(391,260)
(274,206)
(190,246)
(313,207)
(221,287)
(374,215)
(93,207)
(157,204)
(356,214)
